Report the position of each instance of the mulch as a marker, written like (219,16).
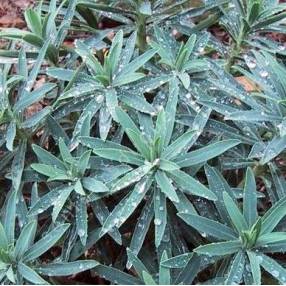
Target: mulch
(11,13)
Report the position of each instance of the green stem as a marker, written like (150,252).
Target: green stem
(235,50)
(141,32)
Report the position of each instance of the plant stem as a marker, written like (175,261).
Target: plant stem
(235,50)
(141,32)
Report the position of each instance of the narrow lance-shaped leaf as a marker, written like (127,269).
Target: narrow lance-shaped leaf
(206,153)
(25,239)
(219,248)
(160,220)
(134,261)
(273,268)
(45,243)
(81,218)
(30,275)
(18,165)
(10,217)
(190,185)
(124,209)
(250,198)
(66,268)
(142,226)
(166,186)
(235,215)
(236,269)
(273,216)
(209,226)
(164,272)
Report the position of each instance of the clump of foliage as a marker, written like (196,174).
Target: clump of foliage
(139,147)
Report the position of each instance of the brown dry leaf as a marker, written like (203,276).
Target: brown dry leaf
(247,84)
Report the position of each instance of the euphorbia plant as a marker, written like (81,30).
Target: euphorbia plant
(244,236)
(158,161)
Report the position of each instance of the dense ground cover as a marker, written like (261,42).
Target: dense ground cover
(143,142)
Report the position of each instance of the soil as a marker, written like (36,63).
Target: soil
(11,12)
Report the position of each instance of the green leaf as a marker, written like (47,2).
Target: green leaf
(137,102)
(219,248)
(122,156)
(166,186)
(218,185)
(236,269)
(184,205)
(131,178)
(30,274)
(10,135)
(145,8)
(173,150)
(78,188)
(139,142)
(124,119)
(96,143)
(56,198)
(185,79)
(25,239)
(33,21)
(160,220)
(164,272)
(3,238)
(50,171)
(134,261)
(273,149)
(10,217)
(160,131)
(250,198)
(81,218)
(18,165)
(46,157)
(166,165)
(190,185)
(116,276)
(59,201)
(171,109)
(101,212)
(94,185)
(33,97)
(208,226)
(114,53)
(36,118)
(206,153)
(126,207)
(273,268)
(178,261)
(254,261)
(236,217)
(66,268)
(83,162)
(10,275)
(270,238)
(142,226)
(134,65)
(273,216)
(36,68)
(65,152)
(148,279)
(45,243)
